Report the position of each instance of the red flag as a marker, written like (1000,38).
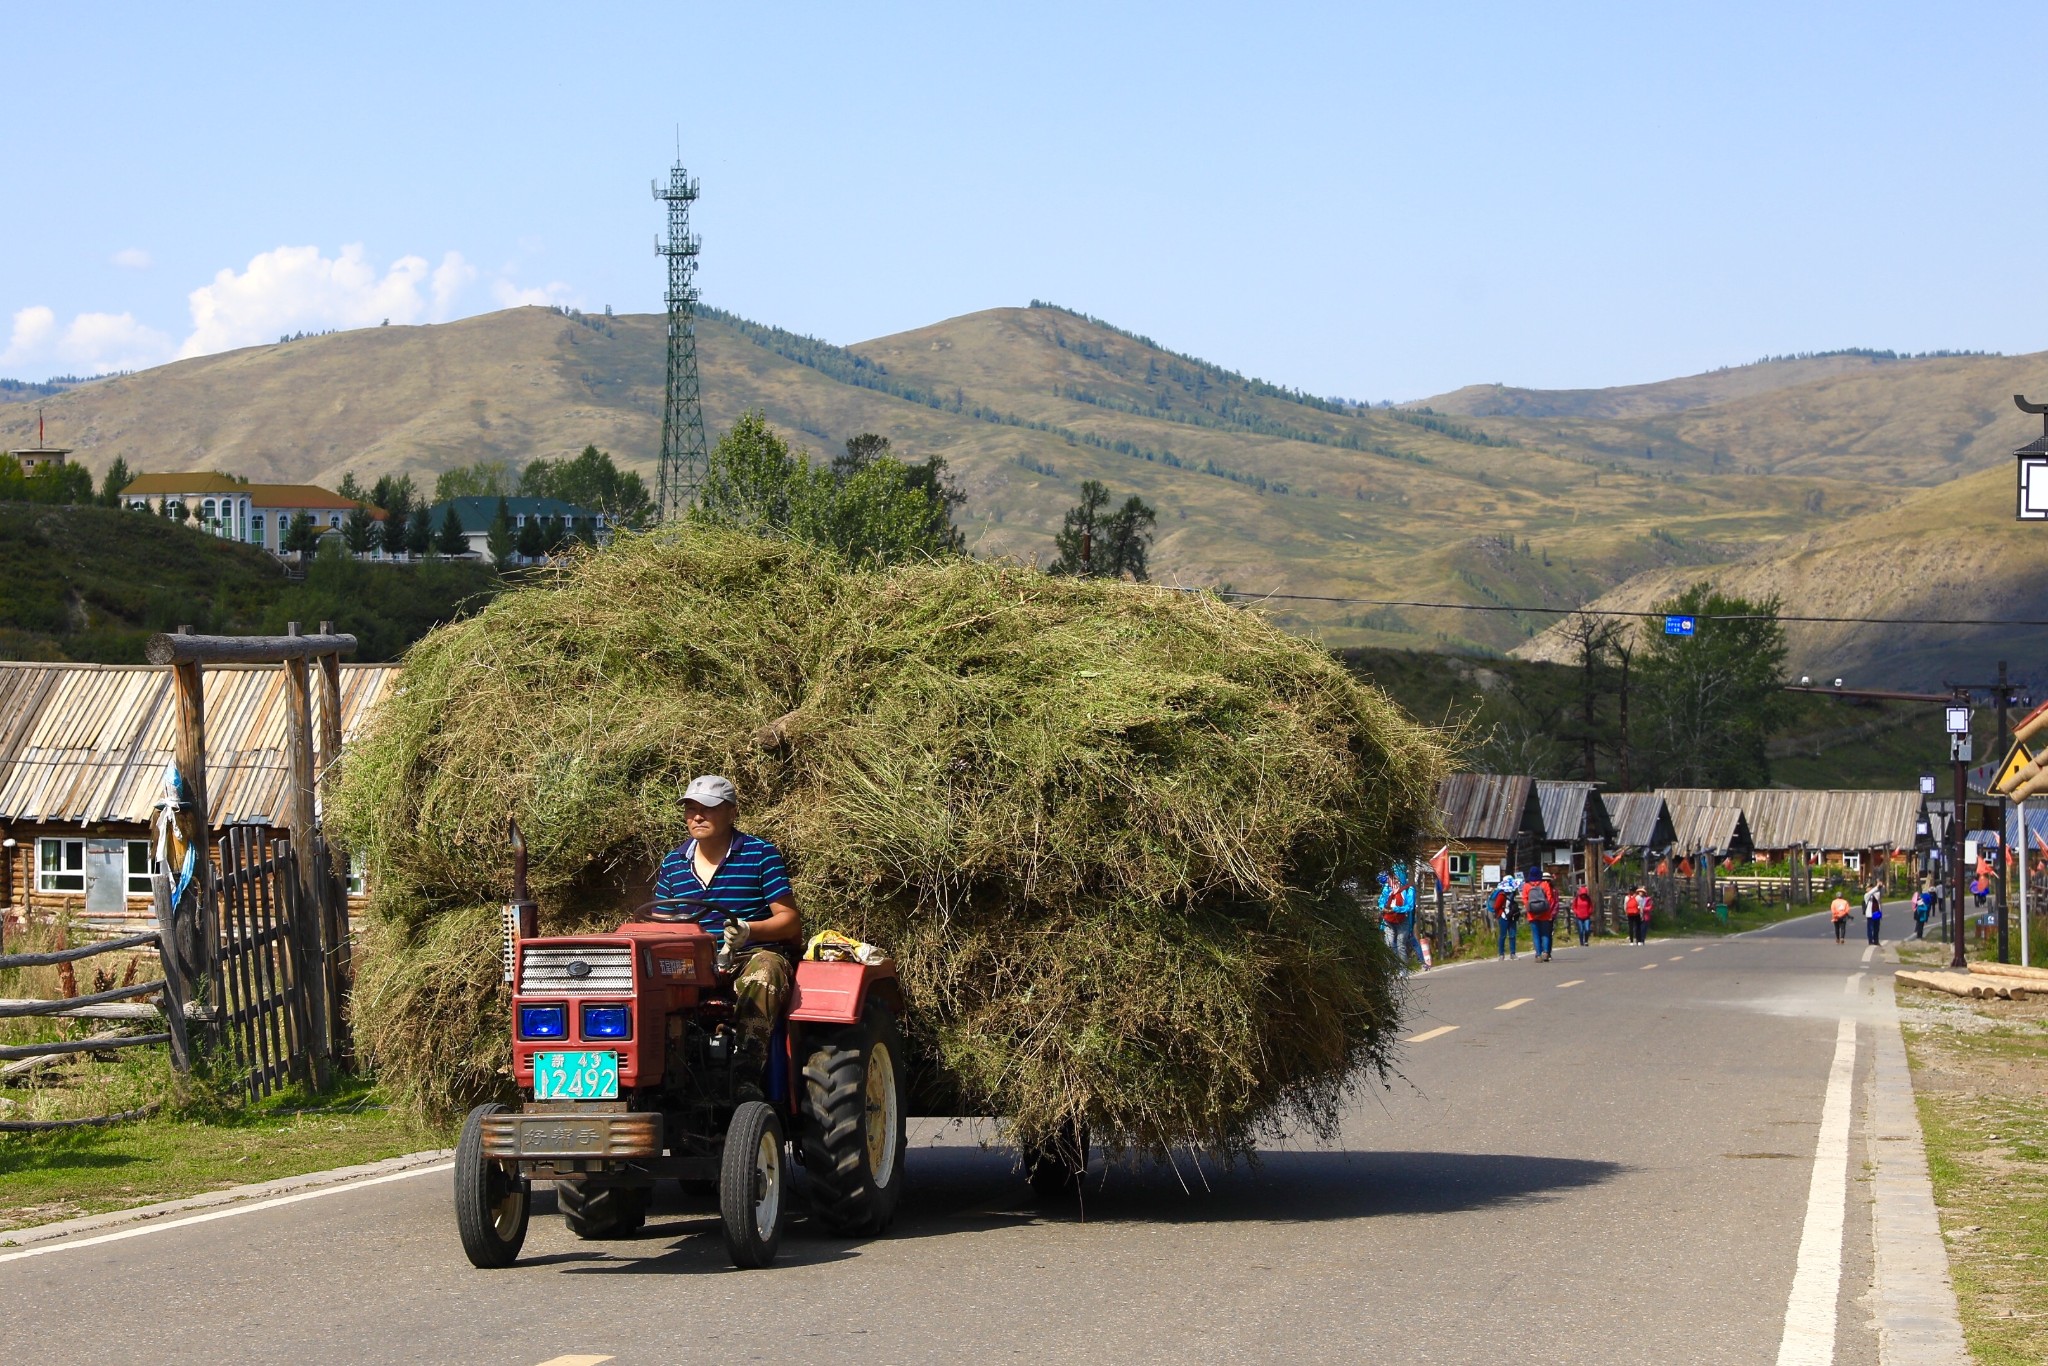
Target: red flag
(1440,864)
(1685,867)
(1611,859)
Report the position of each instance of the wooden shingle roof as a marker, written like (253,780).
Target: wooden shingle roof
(86,743)
(1822,819)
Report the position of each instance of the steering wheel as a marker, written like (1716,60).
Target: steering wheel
(687,910)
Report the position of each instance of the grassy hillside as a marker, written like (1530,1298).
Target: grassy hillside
(1257,487)
(1946,552)
(93,584)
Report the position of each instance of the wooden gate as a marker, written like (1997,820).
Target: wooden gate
(264,973)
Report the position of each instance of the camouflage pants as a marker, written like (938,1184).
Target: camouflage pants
(762,988)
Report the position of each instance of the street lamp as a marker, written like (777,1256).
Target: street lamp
(1959,755)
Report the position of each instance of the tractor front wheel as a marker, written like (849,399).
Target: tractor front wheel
(853,1124)
(753,1185)
(595,1211)
(491,1203)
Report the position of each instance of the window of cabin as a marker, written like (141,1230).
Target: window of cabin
(256,529)
(60,865)
(1464,869)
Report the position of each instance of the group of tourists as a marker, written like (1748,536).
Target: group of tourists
(1533,897)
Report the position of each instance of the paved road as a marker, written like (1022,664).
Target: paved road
(1604,1158)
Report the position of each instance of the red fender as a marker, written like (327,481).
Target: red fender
(836,993)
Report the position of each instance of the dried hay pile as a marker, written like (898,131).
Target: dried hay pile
(1105,829)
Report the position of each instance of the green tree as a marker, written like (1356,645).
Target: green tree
(592,481)
(301,537)
(554,536)
(878,510)
(350,489)
(450,540)
(532,542)
(359,531)
(1710,700)
(395,494)
(118,478)
(419,531)
(499,537)
(57,482)
(861,451)
(1106,546)
(484,479)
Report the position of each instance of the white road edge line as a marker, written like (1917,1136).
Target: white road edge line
(1868,951)
(1849,983)
(230,1212)
(1809,1338)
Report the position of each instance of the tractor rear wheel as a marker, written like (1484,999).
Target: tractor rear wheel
(853,1124)
(753,1185)
(597,1211)
(491,1203)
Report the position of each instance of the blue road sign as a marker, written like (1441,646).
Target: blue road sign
(1679,626)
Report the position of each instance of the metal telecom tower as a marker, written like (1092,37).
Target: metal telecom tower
(682,418)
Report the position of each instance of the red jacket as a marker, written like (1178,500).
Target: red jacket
(1550,914)
(1582,904)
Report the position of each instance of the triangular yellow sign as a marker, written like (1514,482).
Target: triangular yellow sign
(2009,771)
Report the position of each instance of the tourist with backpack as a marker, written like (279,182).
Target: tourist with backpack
(1838,913)
(1923,910)
(1539,903)
(1582,911)
(1507,914)
(1632,912)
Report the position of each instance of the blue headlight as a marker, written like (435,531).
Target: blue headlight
(543,1022)
(607,1022)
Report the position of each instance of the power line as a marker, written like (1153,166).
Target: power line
(1618,612)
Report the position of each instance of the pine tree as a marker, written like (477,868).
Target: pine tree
(532,543)
(500,538)
(419,531)
(451,540)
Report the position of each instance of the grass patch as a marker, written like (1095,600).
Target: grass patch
(46,1177)
(1980,1074)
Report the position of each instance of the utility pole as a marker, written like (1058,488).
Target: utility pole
(2004,743)
(1959,755)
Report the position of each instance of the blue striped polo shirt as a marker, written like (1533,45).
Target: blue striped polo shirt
(752,875)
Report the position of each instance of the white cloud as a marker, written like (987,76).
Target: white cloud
(510,295)
(98,342)
(33,328)
(294,289)
(92,344)
(451,277)
(133,258)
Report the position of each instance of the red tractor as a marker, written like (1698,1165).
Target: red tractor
(625,1050)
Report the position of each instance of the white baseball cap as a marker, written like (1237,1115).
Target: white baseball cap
(710,790)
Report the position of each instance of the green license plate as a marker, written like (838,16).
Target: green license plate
(576,1076)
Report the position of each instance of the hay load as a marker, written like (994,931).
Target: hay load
(1106,830)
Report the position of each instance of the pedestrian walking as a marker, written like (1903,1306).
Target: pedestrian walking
(1923,909)
(1980,887)
(1632,913)
(1838,912)
(1582,911)
(1643,903)
(1873,913)
(1507,914)
(1539,903)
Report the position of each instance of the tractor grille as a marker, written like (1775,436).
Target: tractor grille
(546,971)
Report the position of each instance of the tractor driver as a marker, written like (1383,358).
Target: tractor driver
(751,908)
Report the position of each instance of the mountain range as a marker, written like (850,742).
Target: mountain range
(1854,484)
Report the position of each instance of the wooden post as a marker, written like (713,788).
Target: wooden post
(298,694)
(337,856)
(1596,868)
(186,941)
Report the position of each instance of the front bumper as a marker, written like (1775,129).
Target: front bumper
(558,1134)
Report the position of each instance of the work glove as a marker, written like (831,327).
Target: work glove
(731,942)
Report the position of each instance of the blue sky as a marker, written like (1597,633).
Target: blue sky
(1368,201)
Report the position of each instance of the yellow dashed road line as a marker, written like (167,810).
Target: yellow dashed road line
(1424,1037)
(1575,982)
(1519,1001)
